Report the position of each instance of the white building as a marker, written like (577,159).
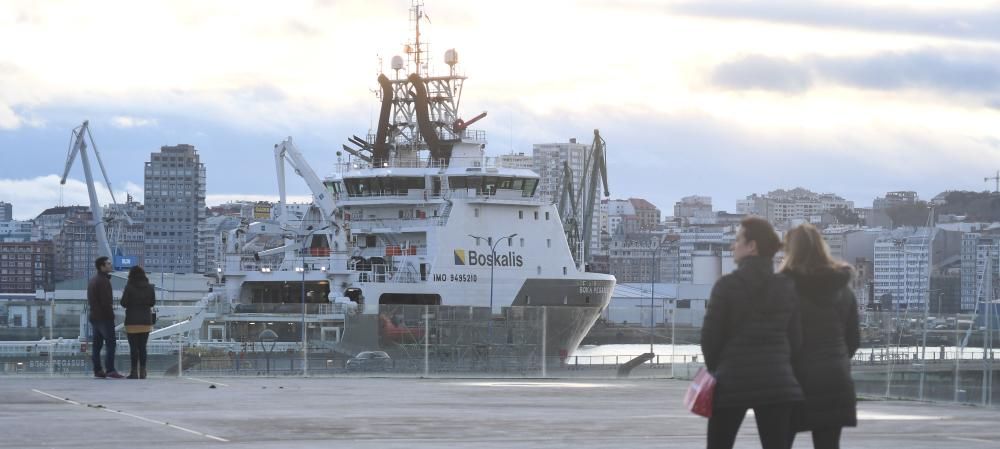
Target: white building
(519,160)
(904,260)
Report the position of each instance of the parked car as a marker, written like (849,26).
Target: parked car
(369,361)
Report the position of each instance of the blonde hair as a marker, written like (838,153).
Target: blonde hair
(807,252)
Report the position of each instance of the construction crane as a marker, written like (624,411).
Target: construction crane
(594,167)
(994,178)
(78,145)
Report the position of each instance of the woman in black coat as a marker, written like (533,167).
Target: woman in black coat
(749,338)
(830,336)
(138,299)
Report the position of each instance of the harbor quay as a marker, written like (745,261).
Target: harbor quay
(294,412)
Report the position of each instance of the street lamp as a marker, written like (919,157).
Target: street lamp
(493,258)
(302,269)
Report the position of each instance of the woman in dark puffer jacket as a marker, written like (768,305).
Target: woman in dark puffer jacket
(749,337)
(138,299)
(830,336)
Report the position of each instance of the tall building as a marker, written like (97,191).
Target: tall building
(25,267)
(548,160)
(6,211)
(174,209)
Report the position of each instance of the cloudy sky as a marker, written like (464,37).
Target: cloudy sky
(705,97)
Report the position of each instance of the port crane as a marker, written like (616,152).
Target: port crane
(578,219)
(78,145)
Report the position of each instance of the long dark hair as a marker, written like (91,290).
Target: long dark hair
(136,275)
(806,252)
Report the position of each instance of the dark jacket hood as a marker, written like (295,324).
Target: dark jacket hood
(822,285)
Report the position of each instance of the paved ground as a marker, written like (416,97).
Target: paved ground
(413,413)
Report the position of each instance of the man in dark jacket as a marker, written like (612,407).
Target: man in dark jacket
(102,319)
(750,334)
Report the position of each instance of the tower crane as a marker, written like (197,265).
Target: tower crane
(78,145)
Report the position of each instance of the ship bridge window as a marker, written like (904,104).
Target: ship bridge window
(396,185)
(490,184)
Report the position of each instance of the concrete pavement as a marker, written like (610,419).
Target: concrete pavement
(168,413)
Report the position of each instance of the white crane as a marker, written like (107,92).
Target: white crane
(78,144)
(287,152)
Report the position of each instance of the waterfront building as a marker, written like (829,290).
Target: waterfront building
(904,260)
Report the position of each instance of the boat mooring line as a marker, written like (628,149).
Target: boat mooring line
(130,415)
(207,381)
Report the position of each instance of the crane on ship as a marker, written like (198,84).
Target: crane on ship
(118,217)
(321,222)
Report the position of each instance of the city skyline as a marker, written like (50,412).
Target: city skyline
(694,98)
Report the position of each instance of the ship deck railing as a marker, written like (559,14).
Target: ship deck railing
(486,162)
(383,273)
(431,196)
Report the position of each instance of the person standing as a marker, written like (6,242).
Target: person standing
(830,336)
(750,335)
(102,319)
(138,299)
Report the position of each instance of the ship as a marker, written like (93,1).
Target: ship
(416,238)
(417,214)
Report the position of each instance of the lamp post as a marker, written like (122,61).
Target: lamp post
(493,242)
(302,269)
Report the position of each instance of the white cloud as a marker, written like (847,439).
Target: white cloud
(33,195)
(124,121)
(8,118)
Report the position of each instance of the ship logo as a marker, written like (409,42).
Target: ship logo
(473,258)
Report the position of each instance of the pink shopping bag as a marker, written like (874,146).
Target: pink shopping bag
(698,398)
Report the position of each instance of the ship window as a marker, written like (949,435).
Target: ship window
(546,215)
(490,185)
(539,269)
(475,212)
(564,271)
(458,182)
(475,182)
(529,187)
(436,185)
(522,243)
(505,183)
(517,184)
(548,243)
(536,215)
(520,214)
